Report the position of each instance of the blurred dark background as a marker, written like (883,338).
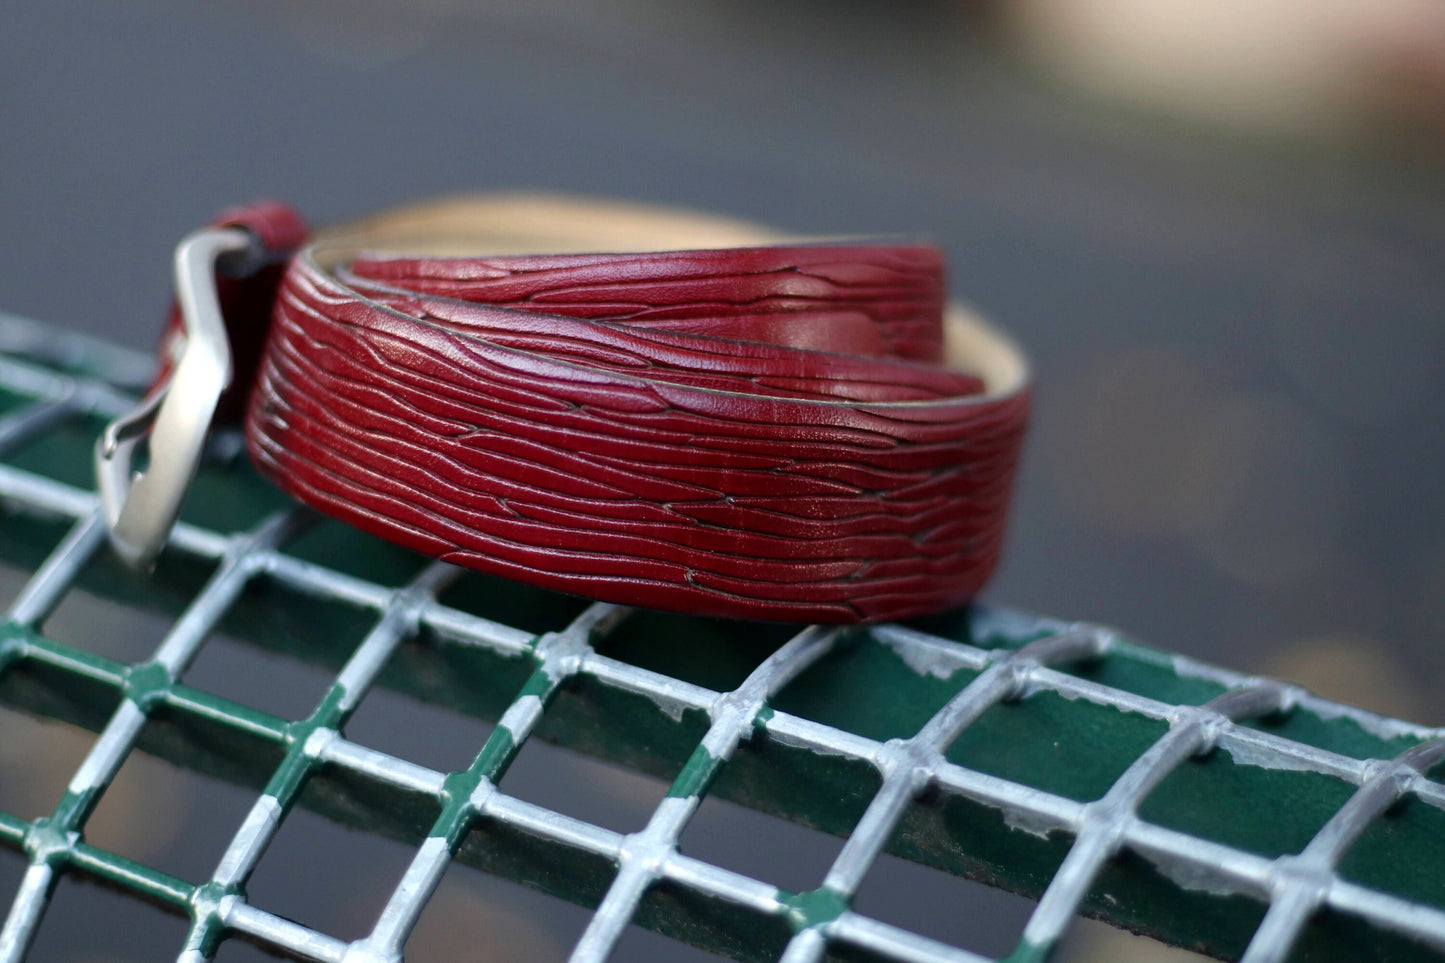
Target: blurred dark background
(1218,231)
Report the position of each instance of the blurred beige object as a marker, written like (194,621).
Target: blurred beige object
(36,758)
(1302,66)
(1096,942)
(461,924)
(1354,670)
(139,816)
(143,812)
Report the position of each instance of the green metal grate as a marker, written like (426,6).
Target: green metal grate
(1236,816)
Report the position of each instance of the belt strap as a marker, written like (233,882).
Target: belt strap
(734,425)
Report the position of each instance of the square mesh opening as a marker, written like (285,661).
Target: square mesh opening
(408,728)
(513,851)
(716,654)
(1069,747)
(866,687)
(464,675)
(115,631)
(13,401)
(274,631)
(1218,797)
(1340,734)
(822,790)
(474,916)
(619,724)
(90,922)
(244,674)
(331,877)
(671,920)
(167,816)
(512,603)
(215,737)
(941,906)
(778,851)
(63,452)
(1133,890)
(1339,935)
(228,496)
(641,944)
(12,867)
(1147,674)
(37,759)
(26,538)
(123,614)
(839,951)
(570,783)
(1436,773)
(309,625)
(343,548)
(965,837)
(1401,852)
(12,581)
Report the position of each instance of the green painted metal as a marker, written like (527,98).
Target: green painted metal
(1072,748)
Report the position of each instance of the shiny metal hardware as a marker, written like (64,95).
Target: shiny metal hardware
(141,507)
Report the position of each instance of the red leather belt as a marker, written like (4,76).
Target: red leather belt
(762,431)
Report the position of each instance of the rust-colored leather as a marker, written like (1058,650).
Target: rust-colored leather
(761,431)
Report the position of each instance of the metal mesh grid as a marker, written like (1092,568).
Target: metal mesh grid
(1004,659)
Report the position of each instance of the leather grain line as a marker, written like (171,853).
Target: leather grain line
(765,432)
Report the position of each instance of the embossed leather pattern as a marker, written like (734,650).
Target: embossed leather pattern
(761,432)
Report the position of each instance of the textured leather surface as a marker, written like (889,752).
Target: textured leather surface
(764,432)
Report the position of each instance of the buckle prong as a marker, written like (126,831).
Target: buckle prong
(141,507)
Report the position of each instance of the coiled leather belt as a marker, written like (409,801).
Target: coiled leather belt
(731,425)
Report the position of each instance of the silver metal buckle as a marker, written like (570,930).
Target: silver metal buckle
(141,507)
